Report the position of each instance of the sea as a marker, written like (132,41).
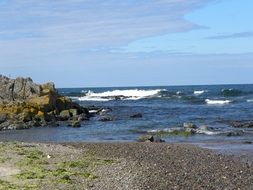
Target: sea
(163,108)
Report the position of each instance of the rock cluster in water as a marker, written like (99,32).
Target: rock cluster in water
(24,104)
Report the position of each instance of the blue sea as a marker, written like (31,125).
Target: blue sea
(163,108)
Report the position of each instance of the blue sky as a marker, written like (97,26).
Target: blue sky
(79,43)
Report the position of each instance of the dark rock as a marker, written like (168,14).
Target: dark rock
(242,124)
(191,131)
(150,138)
(106,118)
(136,115)
(74,112)
(3,117)
(235,133)
(159,140)
(247,142)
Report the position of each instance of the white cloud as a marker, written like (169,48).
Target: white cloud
(69,25)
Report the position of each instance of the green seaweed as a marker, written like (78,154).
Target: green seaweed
(182,133)
(36,170)
(33,173)
(5,185)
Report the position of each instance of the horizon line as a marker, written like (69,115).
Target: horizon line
(177,85)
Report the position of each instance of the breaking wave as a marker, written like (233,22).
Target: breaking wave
(199,92)
(180,129)
(217,102)
(131,94)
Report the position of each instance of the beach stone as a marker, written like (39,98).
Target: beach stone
(136,115)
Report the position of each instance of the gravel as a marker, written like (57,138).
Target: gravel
(167,166)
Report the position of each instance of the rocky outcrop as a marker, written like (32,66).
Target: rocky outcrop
(24,104)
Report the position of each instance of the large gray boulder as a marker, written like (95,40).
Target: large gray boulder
(18,89)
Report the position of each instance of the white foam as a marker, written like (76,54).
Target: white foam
(217,102)
(93,111)
(131,94)
(169,130)
(207,132)
(179,93)
(199,92)
(86,98)
(198,131)
(250,100)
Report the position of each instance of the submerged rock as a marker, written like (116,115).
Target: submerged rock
(242,124)
(136,115)
(234,133)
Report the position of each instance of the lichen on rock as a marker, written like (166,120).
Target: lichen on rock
(29,104)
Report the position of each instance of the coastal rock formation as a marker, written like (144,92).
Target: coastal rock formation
(24,104)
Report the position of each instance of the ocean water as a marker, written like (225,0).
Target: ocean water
(163,108)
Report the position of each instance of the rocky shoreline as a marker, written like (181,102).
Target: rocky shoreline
(24,104)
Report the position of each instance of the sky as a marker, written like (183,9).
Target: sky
(102,43)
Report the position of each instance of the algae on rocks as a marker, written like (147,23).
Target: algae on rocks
(24,104)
